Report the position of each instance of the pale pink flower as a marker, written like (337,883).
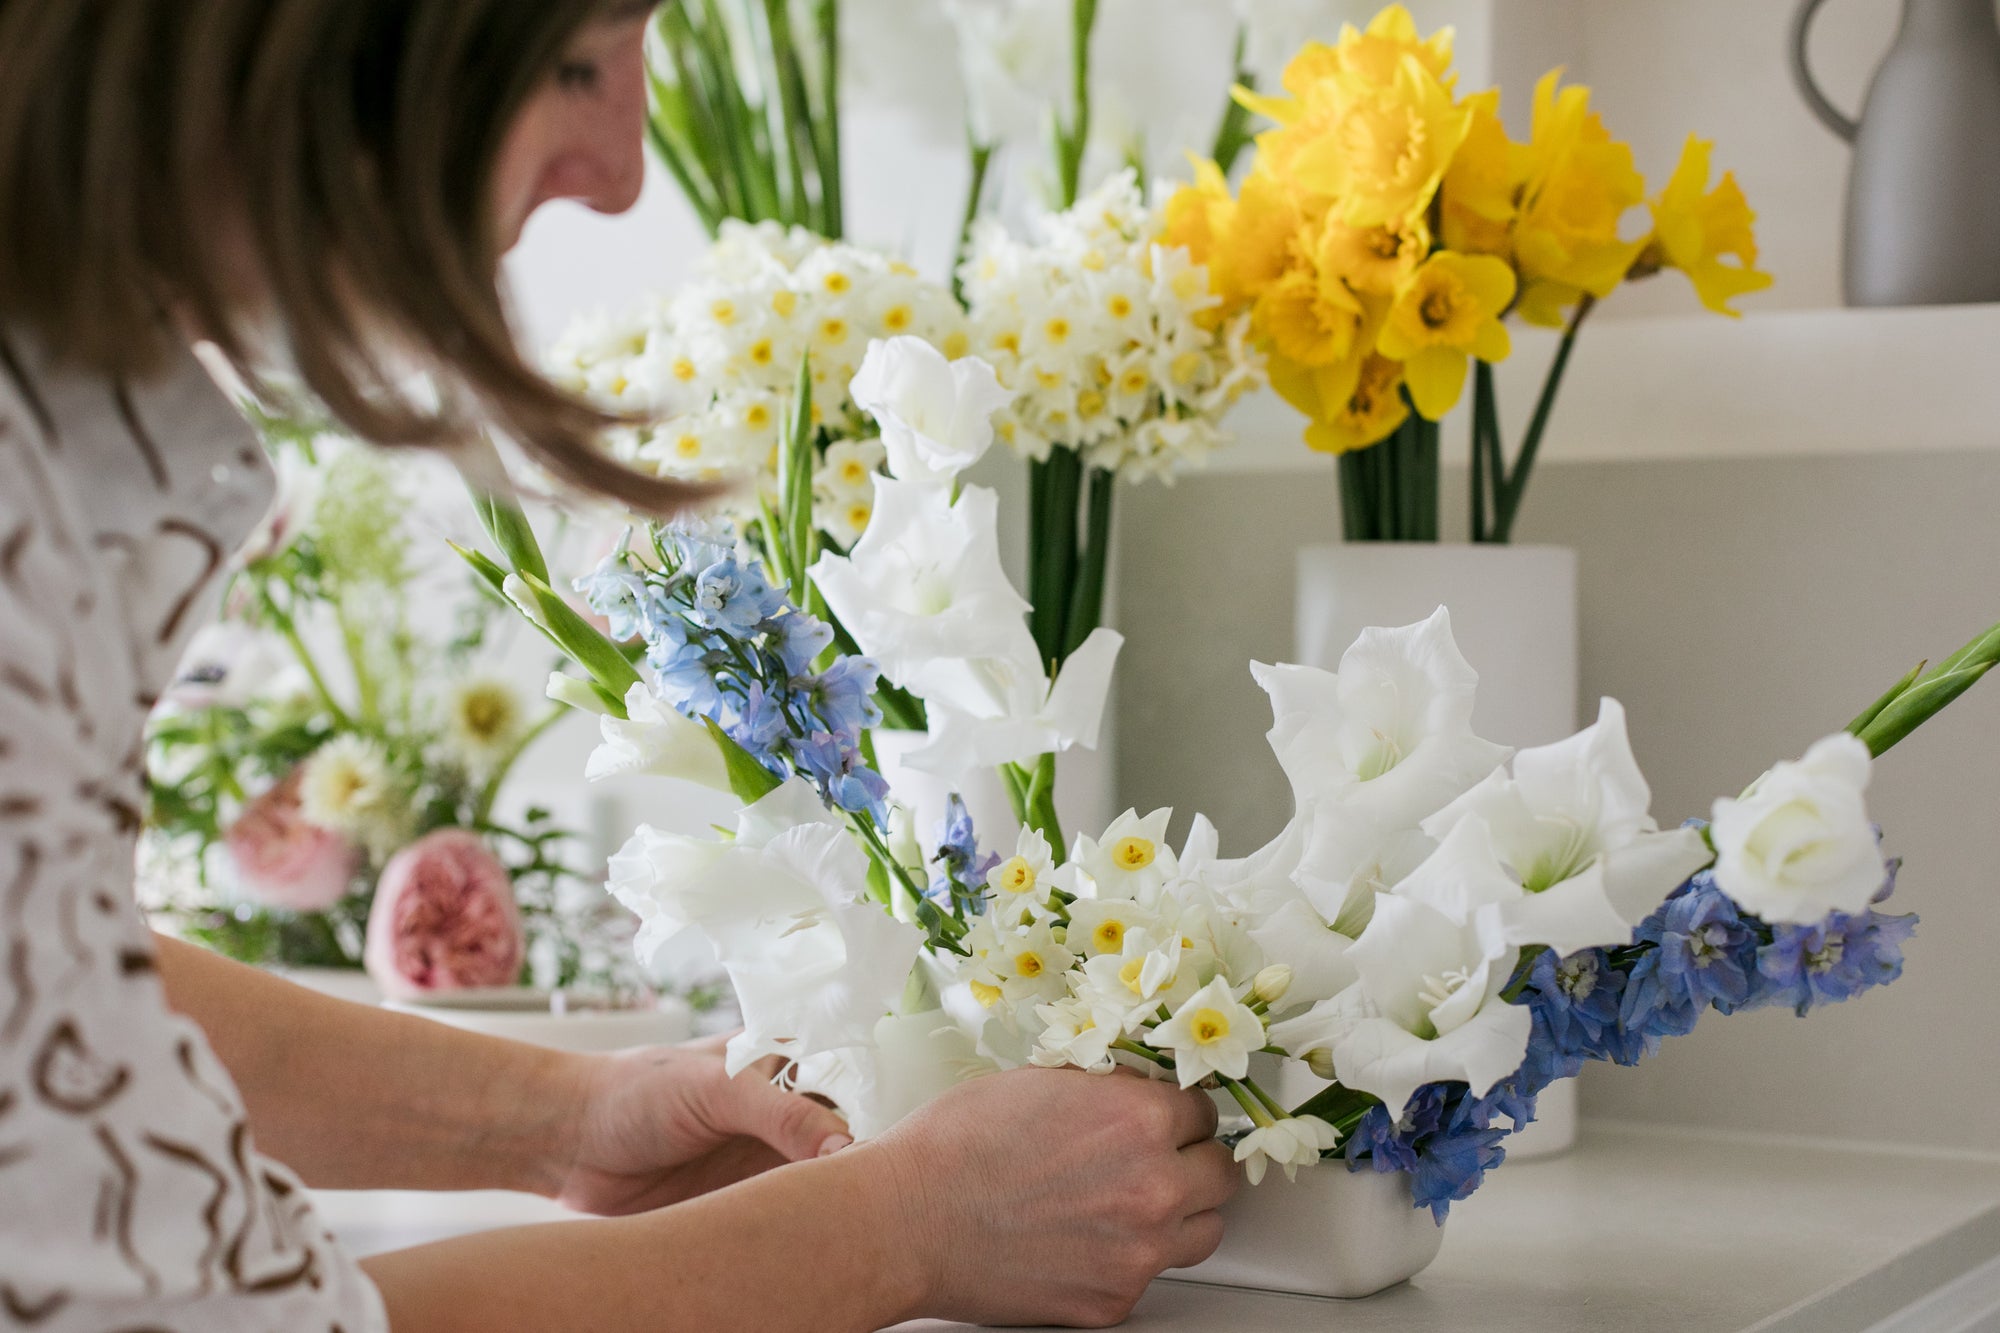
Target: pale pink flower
(285,860)
(444,919)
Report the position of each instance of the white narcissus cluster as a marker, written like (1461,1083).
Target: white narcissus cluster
(716,364)
(1110,340)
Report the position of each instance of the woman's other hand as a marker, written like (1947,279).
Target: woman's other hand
(655,1126)
(1056,1196)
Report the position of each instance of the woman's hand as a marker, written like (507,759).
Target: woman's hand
(653,1127)
(1055,1196)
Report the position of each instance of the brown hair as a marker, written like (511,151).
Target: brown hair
(355,141)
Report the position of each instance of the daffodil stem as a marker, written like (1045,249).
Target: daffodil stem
(1512,487)
(1130,1047)
(1252,1106)
(1270,1103)
(1232,134)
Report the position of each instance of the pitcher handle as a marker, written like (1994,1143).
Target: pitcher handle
(1830,115)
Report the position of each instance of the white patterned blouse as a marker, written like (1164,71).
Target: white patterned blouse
(132,1199)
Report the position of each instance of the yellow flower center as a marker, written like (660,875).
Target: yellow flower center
(757,416)
(896,318)
(1186,366)
(1208,1027)
(1120,306)
(761,352)
(1028,963)
(1130,973)
(1009,342)
(619,386)
(1017,876)
(1437,309)
(834,330)
(684,369)
(1089,404)
(1136,380)
(988,996)
(723,312)
(956,346)
(784,303)
(858,515)
(1057,330)
(1133,853)
(1109,937)
(838,283)
(688,446)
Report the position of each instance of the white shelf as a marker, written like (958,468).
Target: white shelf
(1807,383)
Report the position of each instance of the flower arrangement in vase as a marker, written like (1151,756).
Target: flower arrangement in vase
(1443,929)
(1389,226)
(325,778)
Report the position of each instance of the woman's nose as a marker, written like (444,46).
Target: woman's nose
(601,159)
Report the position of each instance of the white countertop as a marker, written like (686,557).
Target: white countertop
(1640,1230)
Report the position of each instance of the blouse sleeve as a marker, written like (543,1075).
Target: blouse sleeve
(131,1193)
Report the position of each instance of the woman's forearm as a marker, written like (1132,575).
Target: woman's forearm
(353,1097)
(818,1247)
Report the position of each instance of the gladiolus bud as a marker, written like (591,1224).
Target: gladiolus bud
(1271,984)
(1321,1063)
(583,695)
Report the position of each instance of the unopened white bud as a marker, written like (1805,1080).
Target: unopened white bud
(1321,1063)
(1272,983)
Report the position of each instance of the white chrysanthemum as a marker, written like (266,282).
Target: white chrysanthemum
(1106,337)
(349,787)
(483,716)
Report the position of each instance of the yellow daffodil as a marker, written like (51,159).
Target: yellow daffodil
(1695,228)
(1375,259)
(1581,183)
(1347,407)
(1447,312)
(1373,53)
(1481,192)
(1310,318)
(1388,150)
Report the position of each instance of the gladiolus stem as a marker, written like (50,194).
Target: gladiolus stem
(1232,136)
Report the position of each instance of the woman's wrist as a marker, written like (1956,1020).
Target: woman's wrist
(539,1119)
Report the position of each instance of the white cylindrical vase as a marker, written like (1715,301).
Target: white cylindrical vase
(1331,1232)
(1514,614)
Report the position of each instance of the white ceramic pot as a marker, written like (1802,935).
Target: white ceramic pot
(525,1015)
(1514,614)
(1332,1232)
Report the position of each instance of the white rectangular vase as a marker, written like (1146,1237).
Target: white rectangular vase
(1514,614)
(1332,1232)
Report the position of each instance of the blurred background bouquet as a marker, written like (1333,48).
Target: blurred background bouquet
(326,776)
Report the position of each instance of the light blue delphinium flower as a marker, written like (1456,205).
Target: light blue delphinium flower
(1805,967)
(797,640)
(732,596)
(1576,1000)
(613,590)
(843,697)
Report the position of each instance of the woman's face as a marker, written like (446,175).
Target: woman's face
(582,136)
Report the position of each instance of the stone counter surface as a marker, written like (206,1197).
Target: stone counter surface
(1640,1230)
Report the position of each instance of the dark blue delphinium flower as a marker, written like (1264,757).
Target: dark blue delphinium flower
(1576,1001)
(1389,1143)
(1453,1163)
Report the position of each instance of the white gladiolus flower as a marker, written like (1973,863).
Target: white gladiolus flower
(1427,1008)
(1573,825)
(815,961)
(923,590)
(654,739)
(1132,859)
(1390,734)
(1293,1142)
(936,415)
(912,1059)
(1799,844)
(992,711)
(1015,58)
(1210,1033)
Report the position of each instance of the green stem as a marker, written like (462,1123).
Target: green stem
(1076,139)
(1130,1047)
(826,125)
(1514,487)
(1252,1106)
(1086,609)
(1232,135)
(289,631)
(490,793)
(1270,1102)
(975,197)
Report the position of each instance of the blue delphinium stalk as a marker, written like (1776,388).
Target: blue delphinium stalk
(726,645)
(961,867)
(1437,1141)
(1805,967)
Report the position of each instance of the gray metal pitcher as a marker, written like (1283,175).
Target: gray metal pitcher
(1923,197)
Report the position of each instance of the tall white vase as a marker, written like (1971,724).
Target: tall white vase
(1514,614)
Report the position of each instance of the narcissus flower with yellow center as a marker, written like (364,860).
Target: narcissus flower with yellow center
(1448,312)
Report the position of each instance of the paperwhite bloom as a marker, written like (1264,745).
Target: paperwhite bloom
(1573,824)
(1389,734)
(936,415)
(1074,1035)
(1132,859)
(1019,886)
(1293,1142)
(654,739)
(1126,988)
(1799,844)
(1100,925)
(1211,1033)
(815,961)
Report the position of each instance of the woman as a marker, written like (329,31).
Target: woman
(339,178)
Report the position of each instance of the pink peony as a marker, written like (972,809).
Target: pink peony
(285,860)
(444,919)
